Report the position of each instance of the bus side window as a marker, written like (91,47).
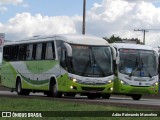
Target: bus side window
(29,52)
(63,60)
(21,53)
(6,54)
(15,50)
(34,51)
(43,51)
(50,51)
(38,55)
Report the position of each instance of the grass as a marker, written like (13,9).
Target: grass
(23,104)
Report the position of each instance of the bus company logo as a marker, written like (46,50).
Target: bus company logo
(6,114)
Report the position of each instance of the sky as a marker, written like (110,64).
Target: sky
(26,18)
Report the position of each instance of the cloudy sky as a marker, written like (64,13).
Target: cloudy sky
(25,18)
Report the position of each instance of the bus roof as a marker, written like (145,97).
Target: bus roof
(132,46)
(74,39)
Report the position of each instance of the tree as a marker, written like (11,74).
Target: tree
(113,39)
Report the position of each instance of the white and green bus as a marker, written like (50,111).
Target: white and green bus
(59,65)
(137,70)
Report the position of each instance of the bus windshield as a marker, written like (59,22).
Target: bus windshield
(91,61)
(140,63)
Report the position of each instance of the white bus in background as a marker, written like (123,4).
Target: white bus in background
(136,70)
(59,64)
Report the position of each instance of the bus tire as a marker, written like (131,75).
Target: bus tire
(53,92)
(19,89)
(136,97)
(106,96)
(91,96)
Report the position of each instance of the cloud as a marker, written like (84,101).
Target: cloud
(26,25)
(4,3)
(3,9)
(118,17)
(14,2)
(121,17)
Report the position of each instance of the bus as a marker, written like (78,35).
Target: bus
(136,70)
(59,65)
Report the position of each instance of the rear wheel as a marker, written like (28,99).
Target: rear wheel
(136,97)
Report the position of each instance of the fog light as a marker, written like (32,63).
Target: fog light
(122,82)
(71,87)
(111,89)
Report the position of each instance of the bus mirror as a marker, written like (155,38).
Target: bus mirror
(117,60)
(113,52)
(69,49)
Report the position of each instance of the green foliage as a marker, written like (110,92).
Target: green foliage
(113,39)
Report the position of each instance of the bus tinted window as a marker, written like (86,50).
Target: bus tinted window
(11,53)
(38,51)
(29,52)
(50,53)
(14,55)
(22,52)
(6,52)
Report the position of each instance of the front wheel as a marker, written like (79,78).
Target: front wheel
(136,97)
(54,92)
(91,96)
(106,96)
(19,89)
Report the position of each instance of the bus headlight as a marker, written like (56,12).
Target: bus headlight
(155,84)
(124,82)
(76,80)
(73,79)
(108,82)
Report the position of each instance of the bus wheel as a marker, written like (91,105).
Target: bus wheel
(106,96)
(19,89)
(91,96)
(54,92)
(136,97)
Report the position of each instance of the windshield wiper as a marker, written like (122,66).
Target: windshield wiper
(89,62)
(95,62)
(146,69)
(137,68)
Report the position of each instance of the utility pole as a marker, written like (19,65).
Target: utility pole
(144,33)
(84,17)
